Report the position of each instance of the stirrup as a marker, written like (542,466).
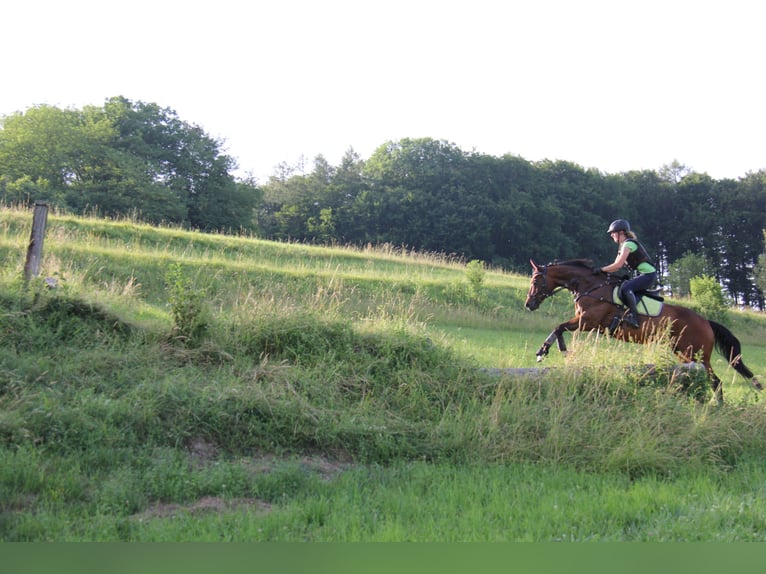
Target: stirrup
(632,320)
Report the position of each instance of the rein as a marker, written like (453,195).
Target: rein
(569,285)
(596,287)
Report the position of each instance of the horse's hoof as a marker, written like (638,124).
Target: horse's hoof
(539,358)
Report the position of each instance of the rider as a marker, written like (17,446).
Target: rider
(632,253)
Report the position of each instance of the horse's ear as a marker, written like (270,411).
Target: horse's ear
(534,265)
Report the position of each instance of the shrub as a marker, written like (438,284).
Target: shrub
(708,297)
(474,273)
(187,306)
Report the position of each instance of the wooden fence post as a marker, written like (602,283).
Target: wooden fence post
(35,249)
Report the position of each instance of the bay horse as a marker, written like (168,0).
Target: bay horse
(598,308)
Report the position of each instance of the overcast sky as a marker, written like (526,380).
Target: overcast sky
(606,84)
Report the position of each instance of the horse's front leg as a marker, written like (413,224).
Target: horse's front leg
(556,335)
(542,352)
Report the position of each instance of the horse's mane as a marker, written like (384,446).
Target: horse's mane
(584,263)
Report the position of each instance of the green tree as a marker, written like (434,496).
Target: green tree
(741,217)
(648,201)
(344,196)
(124,157)
(298,206)
(681,272)
(48,147)
(674,172)
(578,226)
(420,195)
(24,191)
(760,271)
(189,166)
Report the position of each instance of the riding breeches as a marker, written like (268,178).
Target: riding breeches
(639,283)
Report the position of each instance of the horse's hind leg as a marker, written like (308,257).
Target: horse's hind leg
(716,385)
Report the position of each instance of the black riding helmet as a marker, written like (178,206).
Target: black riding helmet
(619,225)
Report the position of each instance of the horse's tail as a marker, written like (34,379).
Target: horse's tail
(728,345)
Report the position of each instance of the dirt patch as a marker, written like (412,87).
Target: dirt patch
(203,452)
(208,504)
(325,467)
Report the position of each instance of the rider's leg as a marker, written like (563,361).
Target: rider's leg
(629,298)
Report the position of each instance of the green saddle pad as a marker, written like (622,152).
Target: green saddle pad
(644,305)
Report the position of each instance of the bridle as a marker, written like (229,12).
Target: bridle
(544,291)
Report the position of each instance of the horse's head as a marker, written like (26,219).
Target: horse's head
(538,289)
(547,279)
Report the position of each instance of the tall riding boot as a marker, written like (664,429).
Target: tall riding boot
(629,298)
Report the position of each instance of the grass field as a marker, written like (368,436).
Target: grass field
(182,386)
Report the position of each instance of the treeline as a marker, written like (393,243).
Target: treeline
(422,194)
(431,195)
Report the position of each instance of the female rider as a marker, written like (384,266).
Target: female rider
(632,254)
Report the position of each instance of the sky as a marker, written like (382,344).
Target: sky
(605,84)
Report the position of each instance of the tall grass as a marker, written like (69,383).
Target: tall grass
(322,398)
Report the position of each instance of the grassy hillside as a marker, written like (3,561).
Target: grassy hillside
(171,374)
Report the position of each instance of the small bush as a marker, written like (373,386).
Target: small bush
(474,272)
(708,298)
(187,306)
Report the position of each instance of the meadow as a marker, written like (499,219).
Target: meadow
(179,386)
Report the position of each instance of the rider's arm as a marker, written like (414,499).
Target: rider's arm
(619,262)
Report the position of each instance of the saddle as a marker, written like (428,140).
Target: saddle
(648,302)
